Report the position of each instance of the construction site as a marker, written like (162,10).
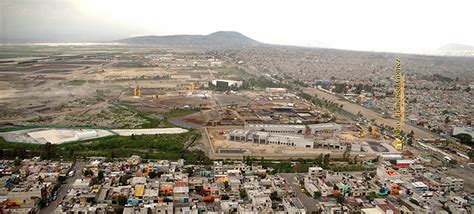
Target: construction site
(121,89)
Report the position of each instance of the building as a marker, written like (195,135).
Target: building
(276,90)
(277,128)
(316,129)
(454,184)
(225,84)
(260,137)
(315,171)
(293,205)
(387,173)
(420,186)
(463,130)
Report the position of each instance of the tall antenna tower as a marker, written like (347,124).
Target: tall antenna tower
(399,105)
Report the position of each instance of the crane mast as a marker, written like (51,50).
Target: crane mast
(399,105)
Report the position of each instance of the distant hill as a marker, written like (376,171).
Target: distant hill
(217,39)
(456,47)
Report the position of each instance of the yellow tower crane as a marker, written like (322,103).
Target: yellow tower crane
(399,105)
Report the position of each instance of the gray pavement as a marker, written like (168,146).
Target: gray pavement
(64,189)
(309,203)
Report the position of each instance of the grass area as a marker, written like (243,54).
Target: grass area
(233,72)
(18,128)
(150,121)
(176,113)
(165,146)
(302,165)
(76,82)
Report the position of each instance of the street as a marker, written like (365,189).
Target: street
(64,189)
(309,203)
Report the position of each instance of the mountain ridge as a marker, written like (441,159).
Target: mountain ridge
(216,39)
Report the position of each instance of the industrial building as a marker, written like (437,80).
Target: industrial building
(314,129)
(276,90)
(286,135)
(260,137)
(224,84)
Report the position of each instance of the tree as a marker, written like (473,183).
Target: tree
(340,198)
(48,151)
(224,197)
(464,138)
(20,153)
(17,162)
(274,195)
(446,120)
(190,170)
(122,200)
(100,175)
(317,195)
(470,153)
(319,160)
(152,174)
(70,152)
(243,195)
(371,196)
(87,172)
(124,179)
(326,160)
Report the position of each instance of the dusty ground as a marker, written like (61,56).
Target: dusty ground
(86,85)
(238,150)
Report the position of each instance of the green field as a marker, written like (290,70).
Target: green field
(165,146)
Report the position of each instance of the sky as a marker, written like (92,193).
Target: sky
(374,25)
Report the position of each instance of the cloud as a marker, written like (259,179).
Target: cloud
(404,25)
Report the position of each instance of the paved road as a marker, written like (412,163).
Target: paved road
(309,203)
(63,190)
(369,114)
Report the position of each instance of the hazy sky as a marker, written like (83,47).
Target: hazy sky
(404,25)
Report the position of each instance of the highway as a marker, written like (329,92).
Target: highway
(354,108)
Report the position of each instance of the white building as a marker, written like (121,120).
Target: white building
(227,83)
(454,184)
(316,129)
(260,137)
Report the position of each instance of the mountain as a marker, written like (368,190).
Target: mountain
(217,39)
(456,47)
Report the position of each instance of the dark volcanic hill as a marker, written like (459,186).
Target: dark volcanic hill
(217,39)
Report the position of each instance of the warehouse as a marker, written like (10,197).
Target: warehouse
(259,137)
(277,128)
(317,129)
(226,84)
